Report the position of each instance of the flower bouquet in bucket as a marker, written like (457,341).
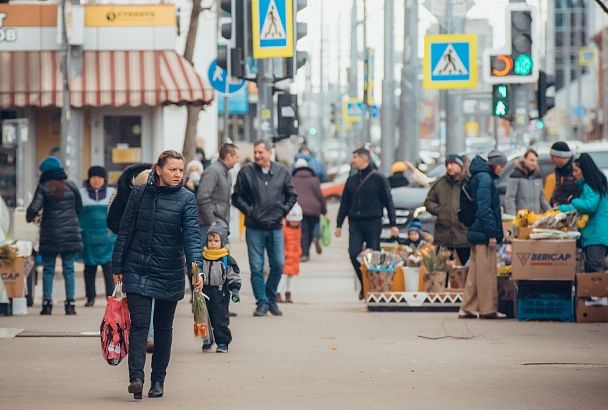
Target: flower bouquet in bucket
(202,325)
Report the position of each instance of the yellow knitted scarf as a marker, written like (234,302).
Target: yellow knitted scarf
(214,254)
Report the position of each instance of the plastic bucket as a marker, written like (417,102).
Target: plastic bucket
(411,278)
(19,306)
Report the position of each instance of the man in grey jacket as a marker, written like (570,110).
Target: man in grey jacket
(213,197)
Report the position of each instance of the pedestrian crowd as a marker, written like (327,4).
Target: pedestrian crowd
(161,218)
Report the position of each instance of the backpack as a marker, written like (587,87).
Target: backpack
(468,207)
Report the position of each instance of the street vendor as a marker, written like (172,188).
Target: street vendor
(592,201)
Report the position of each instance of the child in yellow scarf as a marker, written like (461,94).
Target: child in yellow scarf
(221,278)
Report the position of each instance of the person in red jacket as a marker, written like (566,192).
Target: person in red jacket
(292,234)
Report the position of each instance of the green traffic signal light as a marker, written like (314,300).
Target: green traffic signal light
(523,65)
(501,91)
(500,109)
(312,131)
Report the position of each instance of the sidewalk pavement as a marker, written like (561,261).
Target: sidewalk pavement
(326,352)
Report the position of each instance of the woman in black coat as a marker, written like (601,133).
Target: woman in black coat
(61,203)
(158,235)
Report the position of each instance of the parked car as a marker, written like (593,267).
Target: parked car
(332,190)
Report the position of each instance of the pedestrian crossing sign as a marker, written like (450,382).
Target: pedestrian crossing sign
(450,61)
(272,28)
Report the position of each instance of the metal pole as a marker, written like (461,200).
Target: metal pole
(65,102)
(388,89)
(225,96)
(455,138)
(352,71)
(367,114)
(567,37)
(409,138)
(579,30)
(265,106)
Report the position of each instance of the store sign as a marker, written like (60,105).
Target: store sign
(130,15)
(7,34)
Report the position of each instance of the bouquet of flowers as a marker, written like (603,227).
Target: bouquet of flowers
(202,325)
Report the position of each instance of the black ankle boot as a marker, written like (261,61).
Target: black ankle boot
(136,387)
(47,307)
(70,307)
(90,302)
(156,390)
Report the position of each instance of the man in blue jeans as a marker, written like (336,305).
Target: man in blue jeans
(264,194)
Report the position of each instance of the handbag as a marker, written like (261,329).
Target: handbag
(115,327)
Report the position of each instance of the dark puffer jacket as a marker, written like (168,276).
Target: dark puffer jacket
(264,199)
(61,203)
(488,218)
(308,188)
(123,189)
(165,228)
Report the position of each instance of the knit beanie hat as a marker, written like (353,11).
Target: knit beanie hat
(398,166)
(98,171)
(300,163)
(497,158)
(221,231)
(50,163)
(456,159)
(560,149)
(415,225)
(295,215)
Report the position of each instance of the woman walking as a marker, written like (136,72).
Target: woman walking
(159,234)
(592,201)
(525,187)
(312,201)
(97,238)
(60,202)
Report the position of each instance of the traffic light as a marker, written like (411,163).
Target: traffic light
(501,95)
(544,102)
(287,108)
(293,64)
(232,52)
(516,63)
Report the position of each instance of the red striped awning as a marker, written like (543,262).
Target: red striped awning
(107,78)
(30,78)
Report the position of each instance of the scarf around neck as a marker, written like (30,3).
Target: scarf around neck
(214,254)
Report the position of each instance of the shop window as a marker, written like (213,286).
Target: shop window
(8,161)
(122,142)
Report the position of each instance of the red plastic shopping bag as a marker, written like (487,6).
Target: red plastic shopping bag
(115,327)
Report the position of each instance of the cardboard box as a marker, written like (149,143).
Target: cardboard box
(14,276)
(544,260)
(523,233)
(592,284)
(592,310)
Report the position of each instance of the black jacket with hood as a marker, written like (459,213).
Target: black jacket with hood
(159,226)
(60,201)
(488,218)
(264,198)
(367,200)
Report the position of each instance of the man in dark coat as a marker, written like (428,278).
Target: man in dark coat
(60,201)
(480,293)
(562,183)
(443,201)
(366,195)
(265,194)
(311,200)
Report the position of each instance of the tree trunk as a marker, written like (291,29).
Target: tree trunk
(189,148)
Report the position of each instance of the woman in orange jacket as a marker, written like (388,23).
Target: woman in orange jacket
(292,234)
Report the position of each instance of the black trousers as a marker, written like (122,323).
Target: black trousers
(90,271)
(140,308)
(360,232)
(217,306)
(594,258)
(308,230)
